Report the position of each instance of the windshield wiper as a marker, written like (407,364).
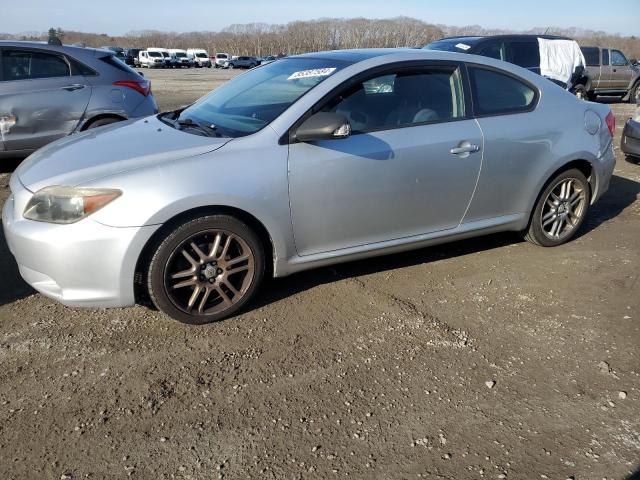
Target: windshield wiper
(208,129)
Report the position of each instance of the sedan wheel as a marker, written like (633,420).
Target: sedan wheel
(206,269)
(561,209)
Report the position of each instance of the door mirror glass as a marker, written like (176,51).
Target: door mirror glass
(323,126)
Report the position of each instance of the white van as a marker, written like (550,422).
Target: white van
(180,58)
(150,59)
(200,57)
(166,56)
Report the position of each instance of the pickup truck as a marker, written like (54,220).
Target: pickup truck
(610,73)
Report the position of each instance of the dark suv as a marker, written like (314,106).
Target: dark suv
(523,50)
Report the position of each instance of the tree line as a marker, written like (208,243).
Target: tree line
(324,34)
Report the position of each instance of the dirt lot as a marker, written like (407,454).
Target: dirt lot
(489,358)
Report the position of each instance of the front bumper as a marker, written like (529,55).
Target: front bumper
(630,143)
(82,264)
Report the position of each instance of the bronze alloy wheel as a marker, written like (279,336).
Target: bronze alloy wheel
(206,269)
(209,272)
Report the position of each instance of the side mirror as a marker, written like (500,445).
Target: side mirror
(323,126)
(141,74)
(633,61)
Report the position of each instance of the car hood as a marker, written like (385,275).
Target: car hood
(83,157)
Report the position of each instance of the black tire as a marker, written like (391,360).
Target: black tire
(102,121)
(218,296)
(565,219)
(581,92)
(634,93)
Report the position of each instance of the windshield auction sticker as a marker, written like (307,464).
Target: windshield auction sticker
(463,46)
(318,72)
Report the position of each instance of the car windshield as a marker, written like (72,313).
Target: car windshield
(201,55)
(452,44)
(154,54)
(221,55)
(251,101)
(165,54)
(181,54)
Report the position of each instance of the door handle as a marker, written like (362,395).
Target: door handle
(464,147)
(71,88)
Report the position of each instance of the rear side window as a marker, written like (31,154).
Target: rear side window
(119,64)
(591,56)
(27,65)
(492,50)
(496,93)
(525,53)
(78,68)
(605,57)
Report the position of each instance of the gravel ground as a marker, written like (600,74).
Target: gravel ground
(488,358)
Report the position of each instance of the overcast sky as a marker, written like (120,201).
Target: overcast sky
(116,17)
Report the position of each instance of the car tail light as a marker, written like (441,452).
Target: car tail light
(611,123)
(140,86)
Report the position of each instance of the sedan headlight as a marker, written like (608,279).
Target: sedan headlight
(67,204)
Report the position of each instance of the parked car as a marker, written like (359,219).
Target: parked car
(131,57)
(323,173)
(222,60)
(268,59)
(200,57)
(612,74)
(167,60)
(630,143)
(118,51)
(180,58)
(243,62)
(151,59)
(50,91)
(556,58)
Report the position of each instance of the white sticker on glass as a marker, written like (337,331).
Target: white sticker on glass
(318,72)
(463,46)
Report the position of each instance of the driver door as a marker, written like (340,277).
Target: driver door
(396,176)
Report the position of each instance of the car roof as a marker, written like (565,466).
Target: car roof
(511,36)
(353,56)
(70,49)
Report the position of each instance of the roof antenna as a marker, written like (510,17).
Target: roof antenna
(546,31)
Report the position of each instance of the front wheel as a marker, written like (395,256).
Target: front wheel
(206,269)
(560,210)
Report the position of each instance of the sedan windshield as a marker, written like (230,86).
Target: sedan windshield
(201,55)
(251,101)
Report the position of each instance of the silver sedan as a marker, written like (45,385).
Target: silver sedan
(308,161)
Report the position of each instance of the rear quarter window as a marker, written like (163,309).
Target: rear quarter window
(496,93)
(591,56)
(117,63)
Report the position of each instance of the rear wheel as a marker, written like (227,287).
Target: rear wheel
(581,92)
(206,269)
(560,210)
(634,94)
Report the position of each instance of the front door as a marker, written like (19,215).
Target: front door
(40,99)
(409,167)
(621,73)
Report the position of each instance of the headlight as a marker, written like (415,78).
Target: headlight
(67,204)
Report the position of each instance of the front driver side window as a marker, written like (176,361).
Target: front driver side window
(618,59)
(23,65)
(402,98)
